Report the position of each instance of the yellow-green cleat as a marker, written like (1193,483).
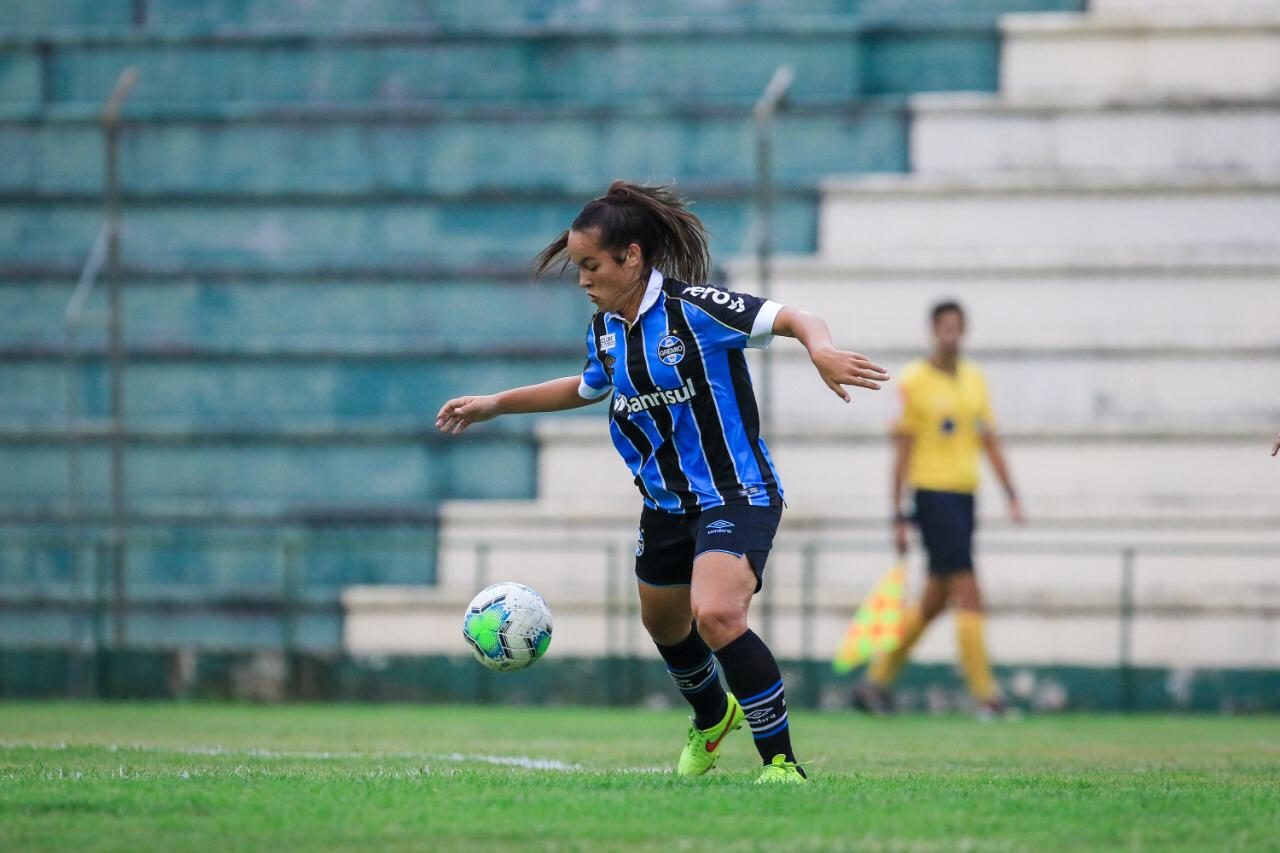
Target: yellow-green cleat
(703,747)
(782,772)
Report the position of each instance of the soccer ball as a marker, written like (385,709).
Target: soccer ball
(507,626)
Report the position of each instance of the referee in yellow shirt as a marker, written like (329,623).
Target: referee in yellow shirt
(946,422)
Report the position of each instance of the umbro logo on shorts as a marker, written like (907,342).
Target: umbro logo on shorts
(720,526)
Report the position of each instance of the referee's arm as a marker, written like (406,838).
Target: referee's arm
(995,452)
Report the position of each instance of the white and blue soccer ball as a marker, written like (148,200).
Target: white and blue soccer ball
(507,626)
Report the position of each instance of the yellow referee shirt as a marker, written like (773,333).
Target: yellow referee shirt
(946,415)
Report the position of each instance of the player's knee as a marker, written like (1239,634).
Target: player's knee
(720,623)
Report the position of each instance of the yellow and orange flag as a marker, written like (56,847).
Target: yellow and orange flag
(876,627)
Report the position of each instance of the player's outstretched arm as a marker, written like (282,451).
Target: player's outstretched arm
(837,367)
(555,395)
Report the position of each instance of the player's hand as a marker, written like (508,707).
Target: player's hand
(839,368)
(1275,448)
(901,537)
(1015,512)
(461,412)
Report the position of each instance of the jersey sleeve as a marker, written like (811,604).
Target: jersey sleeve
(986,415)
(728,319)
(909,418)
(595,382)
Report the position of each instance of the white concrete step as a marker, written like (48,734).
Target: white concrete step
(984,133)
(1224,52)
(992,218)
(1064,477)
(1085,302)
(1046,391)
(1132,7)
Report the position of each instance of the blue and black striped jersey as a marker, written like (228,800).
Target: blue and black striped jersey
(684,414)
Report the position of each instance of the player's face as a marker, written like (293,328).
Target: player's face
(611,285)
(948,332)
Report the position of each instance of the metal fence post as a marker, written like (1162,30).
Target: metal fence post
(771,100)
(101,559)
(1124,672)
(119,592)
(289,589)
(612,629)
(808,609)
(480,686)
(115,333)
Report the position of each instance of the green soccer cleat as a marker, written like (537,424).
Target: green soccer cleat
(781,772)
(703,748)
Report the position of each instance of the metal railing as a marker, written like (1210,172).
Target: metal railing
(772,99)
(104,256)
(101,602)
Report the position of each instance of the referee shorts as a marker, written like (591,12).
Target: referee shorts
(946,521)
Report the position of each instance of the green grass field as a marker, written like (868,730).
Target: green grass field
(209,777)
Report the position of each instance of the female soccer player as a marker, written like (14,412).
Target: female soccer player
(946,421)
(668,350)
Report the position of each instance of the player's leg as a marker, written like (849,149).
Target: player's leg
(966,598)
(733,546)
(664,566)
(668,618)
(885,669)
(664,570)
(873,694)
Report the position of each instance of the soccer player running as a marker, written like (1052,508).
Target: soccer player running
(945,422)
(668,350)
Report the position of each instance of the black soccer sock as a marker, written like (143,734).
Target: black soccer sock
(754,678)
(693,669)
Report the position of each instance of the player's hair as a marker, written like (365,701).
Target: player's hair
(948,306)
(654,218)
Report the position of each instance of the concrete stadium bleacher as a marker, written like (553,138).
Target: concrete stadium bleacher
(1109,218)
(328,215)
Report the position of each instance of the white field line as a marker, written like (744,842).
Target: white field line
(523,762)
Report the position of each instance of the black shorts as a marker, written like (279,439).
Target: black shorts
(946,521)
(667,544)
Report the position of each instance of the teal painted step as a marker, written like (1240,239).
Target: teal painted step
(179,392)
(161,14)
(268,233)
(350,314)
(302,13)
(21,78)
(158,628)
(452,151)
(47,14)
(286,474)
(185,564)
(592,68)
(832,61)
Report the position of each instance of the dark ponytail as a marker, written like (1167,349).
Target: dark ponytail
(670,237)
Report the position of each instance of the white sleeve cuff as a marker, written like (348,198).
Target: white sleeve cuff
(586,392)
(762,328)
